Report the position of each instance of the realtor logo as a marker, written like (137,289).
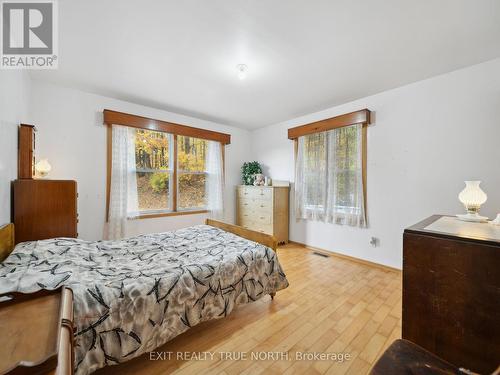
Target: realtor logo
(29,34)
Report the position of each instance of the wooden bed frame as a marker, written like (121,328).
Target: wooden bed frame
(7,237)
(6,240)
(262,238)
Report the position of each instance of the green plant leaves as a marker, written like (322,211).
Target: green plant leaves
(248,172)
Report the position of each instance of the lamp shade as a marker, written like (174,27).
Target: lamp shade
(472,197)
(43,167)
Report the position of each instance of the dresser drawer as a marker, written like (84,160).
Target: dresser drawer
(264,228)
(244,191)
(244,216)
(258,227)
(252,192)
(248,224)
(262,194)
(246,204)
(263,205)
(255,205)
(262,217)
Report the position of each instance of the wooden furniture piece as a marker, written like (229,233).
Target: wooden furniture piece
(264,239)
(44,209)
(6,240)
(404,357)
(451,291)
(362,116)
(126,119)
(37,332)
(26,147)
(263,209)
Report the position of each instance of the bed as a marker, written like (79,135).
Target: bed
(133,295)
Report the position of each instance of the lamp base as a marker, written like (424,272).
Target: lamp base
(475,218)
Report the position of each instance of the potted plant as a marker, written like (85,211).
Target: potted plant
(248,172)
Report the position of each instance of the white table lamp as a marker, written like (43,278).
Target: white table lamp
(43,167)
(472,197)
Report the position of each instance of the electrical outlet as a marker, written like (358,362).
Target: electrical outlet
(374,241)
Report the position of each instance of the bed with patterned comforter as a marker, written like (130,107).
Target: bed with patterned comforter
(133,295)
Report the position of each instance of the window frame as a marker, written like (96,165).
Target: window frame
(362,117)
(169,171)
(178,171)
(111,118)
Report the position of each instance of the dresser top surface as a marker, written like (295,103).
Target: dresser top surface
(451,227)
(261,187)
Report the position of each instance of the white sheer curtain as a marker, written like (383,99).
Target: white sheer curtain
(311,177)
(215,180)
(329,177)
(123,202)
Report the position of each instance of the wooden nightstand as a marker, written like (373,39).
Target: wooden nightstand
(37,332)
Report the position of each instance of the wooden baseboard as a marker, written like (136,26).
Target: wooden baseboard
(348,257)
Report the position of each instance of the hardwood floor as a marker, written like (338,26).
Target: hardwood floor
(333,305)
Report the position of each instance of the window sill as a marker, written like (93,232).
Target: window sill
(166,214)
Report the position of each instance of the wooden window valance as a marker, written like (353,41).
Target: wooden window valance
(126,119)
(358,117)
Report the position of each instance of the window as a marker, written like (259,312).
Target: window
(314,153)
(162,186)
(329,173)
(158,168)
(191,173)
(347,169)
(154,171)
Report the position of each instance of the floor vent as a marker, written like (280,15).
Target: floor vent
(320,254)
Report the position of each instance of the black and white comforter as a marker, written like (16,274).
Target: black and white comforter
(133,295)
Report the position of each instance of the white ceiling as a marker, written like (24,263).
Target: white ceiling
(302,55)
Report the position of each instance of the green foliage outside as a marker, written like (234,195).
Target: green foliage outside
(159,182)
(248,170)
(152,153)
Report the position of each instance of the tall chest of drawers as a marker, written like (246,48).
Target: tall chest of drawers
(263,209)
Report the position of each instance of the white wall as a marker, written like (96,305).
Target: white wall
(14,103)
(428,137)
(72,136)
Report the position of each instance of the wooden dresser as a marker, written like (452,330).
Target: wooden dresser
(263,209)
(451,291)
(44,209)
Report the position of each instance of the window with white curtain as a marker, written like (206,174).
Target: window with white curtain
(329,176)
(155,173)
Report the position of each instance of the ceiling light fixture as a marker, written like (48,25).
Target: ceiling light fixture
(242,71)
